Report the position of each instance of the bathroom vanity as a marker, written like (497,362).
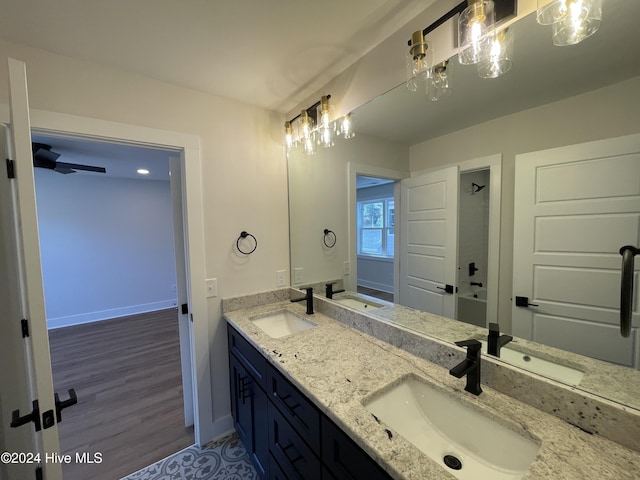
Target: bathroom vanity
(304,403)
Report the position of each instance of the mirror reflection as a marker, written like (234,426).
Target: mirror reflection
(483,152)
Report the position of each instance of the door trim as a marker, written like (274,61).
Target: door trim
(356,169)
(60,124)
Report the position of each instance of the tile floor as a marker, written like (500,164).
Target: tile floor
(223,459)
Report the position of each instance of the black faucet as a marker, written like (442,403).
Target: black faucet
(329,291)
(308,297)
(477,284)
(470,366)
(495,340)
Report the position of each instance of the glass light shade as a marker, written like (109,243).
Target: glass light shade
(550,11)
(438,83)
(345,127)
(326,127)
(581,20)
(309,144)
(307,133)
(289,142)
(497,57)
(474,24)
(419,61)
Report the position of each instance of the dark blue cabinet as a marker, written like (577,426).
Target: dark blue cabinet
(286,436)
(249,410)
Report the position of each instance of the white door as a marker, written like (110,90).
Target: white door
(574,208)
(184,322)
(26,372)
(428,242)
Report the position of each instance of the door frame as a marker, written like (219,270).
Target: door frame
(493,163)
(188,146)
(355,169)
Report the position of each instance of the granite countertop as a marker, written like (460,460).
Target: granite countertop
(338,367)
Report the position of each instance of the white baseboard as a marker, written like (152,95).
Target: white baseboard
(221,428)
(376,286)
(89,317)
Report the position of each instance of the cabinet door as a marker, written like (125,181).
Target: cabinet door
(249,410)
(296,460)
(344,459)
(240,401)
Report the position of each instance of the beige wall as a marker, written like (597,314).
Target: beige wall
(608,112)
(244,174)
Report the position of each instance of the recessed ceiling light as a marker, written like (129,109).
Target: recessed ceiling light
(143,171)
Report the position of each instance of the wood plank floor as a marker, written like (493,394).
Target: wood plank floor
(375,293)
(127,375)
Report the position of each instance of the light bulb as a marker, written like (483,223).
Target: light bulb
(581,19)
(326,128)
(497,57)
(288,136)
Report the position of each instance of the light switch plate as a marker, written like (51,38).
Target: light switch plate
(346,268)
(281,281)
(212,287)
(297,275)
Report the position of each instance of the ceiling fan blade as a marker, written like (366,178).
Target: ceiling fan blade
(76,166)
(63,170)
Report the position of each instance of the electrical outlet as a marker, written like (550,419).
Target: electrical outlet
(212,287)
(174,288)
(346,268)
(297,275)
(280,278)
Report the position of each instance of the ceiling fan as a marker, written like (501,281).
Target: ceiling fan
(43,157)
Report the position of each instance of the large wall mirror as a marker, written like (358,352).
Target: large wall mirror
(482,136)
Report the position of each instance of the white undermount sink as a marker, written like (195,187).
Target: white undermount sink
(465,442)
(357,302)
(546,368)
(282,323)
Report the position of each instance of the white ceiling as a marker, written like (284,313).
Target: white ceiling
(270,53)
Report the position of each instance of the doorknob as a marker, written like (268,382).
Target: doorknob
(447,288)
(72,400)
(524,302)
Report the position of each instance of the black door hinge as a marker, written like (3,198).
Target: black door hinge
(24,324)
(184,308)
(11,171)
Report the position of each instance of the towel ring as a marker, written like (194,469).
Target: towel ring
(329,233)
(244,234)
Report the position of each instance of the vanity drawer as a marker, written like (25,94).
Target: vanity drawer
(295,407)
(344,459)
(250,358)
(294,457)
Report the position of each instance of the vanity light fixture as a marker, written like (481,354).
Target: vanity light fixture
(478,43)
(326,126)
(289,142)
(474,26)
(316,126)
(497,57)
(572,20)
(438,82)
(345,127)
(419,60)
(307,133)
